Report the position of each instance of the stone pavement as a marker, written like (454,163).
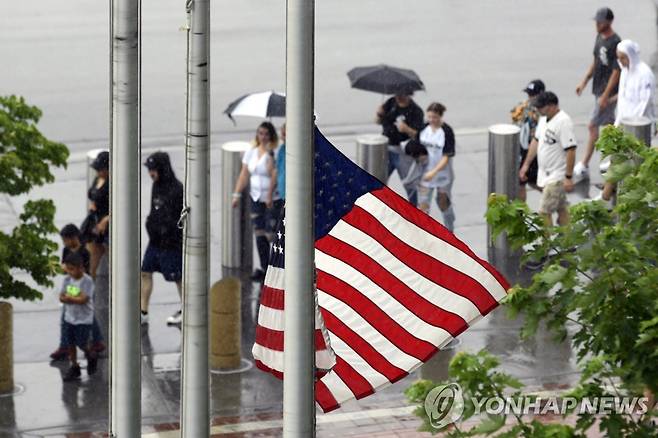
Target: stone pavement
(247,403)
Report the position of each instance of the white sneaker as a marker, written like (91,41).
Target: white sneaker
(580,172)
(176,318)
(605,165)
(144,318)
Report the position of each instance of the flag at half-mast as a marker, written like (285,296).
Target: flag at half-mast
(393,285)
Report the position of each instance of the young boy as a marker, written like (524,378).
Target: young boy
(77,295)
(70,235)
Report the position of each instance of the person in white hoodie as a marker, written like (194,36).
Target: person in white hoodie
(637,85)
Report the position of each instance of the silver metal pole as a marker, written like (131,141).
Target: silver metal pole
(299,351)
(640,127)
(372,155)
(125,223)
(232,225)
(503,178)
(195,382)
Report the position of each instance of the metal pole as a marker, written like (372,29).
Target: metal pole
(640,127)
(125,410)
(299,350)
(372,155)
(195,382)
(503,178)
(232,225)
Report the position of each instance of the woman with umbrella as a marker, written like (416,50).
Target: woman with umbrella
(258,171)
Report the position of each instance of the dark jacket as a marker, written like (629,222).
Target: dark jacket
(166,205)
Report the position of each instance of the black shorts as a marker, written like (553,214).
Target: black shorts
(168,262)
(76,335)
(532,171)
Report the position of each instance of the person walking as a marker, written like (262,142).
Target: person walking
(77,296)
(526,116)
(604,72)
(401,119)
(636,96)
(438,139)
(94,229)
(554,146)
(70,235)
(164,252)
(258,172)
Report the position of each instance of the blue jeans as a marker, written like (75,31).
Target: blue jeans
(394,164)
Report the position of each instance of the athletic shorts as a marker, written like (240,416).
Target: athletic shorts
(168,262)
(605,116)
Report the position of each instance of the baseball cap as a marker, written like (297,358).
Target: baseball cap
(102,161)
(546,98)
(604,14)
(535,87)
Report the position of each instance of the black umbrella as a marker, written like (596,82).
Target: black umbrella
(265,104)
(385,79)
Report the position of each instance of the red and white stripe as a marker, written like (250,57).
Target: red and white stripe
(268,348)
(394,286)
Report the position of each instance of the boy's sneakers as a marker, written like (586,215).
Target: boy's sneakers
(144,318)
(72,374)
(59,354)
(92,363)
(176,318)
(580,172)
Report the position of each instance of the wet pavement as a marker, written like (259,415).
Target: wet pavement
(48,407)
(349,33)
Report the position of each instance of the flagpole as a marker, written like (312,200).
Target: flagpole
(125,405)
(195,382)
(299,348)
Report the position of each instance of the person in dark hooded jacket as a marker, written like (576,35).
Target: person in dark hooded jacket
(164,253)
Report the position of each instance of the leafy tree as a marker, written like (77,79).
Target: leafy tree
(26,157)
(598,288)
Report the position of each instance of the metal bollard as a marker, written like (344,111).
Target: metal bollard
(236,233)
(91,173)
(640,127)
(6,349)
(503,179)
(225,324)
(372,155)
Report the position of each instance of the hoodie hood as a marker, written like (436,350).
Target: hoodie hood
(160,162)
(632,50)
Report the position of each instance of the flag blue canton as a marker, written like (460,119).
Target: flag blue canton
(338,184)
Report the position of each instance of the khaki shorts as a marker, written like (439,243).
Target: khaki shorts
(553,198)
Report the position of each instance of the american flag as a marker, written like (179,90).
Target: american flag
(393,285)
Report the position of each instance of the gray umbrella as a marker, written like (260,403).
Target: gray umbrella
(385,79)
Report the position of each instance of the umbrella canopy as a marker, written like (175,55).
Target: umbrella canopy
(264,104)
(385,79)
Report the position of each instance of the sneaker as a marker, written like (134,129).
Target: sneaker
(258,275)
(605,165)
(59,354)
(176,318)
(72,374)
(144,318)
(98,347)
(580,172)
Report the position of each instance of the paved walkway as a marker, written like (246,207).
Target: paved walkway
(246,404)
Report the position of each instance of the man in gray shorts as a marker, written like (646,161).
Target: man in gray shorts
(604,72)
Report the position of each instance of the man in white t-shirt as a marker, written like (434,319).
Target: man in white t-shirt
(554,146)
